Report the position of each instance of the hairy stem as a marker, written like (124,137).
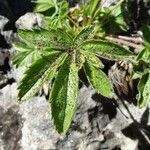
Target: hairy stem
(90,20)
(71,20)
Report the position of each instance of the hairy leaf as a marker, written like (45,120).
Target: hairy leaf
(144,55)
(140,68)
(146,93)
(64,95)
(92,59)
(98,80)
(56,23)
(141,87)
(85,34)
(91,7)
(64,9)
(80,59)
(146,34)
(43,5)
(43,38)
(120,14)
(22,55)
(43,69)
(116,19)
(105,49)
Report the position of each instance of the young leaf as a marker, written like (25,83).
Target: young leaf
(141,87)
(43,5)
(144,55)
(98,80)
(56,23)
(115,19)
(43,69)
(105,49)
(140,69)
(43,38)
(64,95)
(85,34)
(64,9)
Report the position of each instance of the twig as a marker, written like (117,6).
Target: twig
(74,23)
(136,40)
(127,43)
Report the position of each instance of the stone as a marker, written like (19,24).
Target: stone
(38,131)
(99,123)
(3,22)
(29,20)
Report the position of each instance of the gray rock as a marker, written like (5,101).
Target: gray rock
(9,36)
(8,96)
(10,128)
(29,20)
(97,123)
(3,22)
(10,119)
(107,3)
(37,132)
(91,129)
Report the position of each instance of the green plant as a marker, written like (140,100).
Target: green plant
(141,70)
(57,55)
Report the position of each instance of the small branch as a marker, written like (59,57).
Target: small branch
(124,42)
(71,20)
(137,40)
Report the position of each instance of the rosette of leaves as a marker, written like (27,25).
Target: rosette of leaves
(62,57)
(141,70)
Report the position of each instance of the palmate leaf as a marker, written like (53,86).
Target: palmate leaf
(24,52)
(146,35)
(116,19)
(91,58)
(98,80)
(90,8)
(80,59)
(85,34)
(143,88)
(43,69)
(59,20)
(105,49)
(43,5)
(46,38)
(146,93)
(63,9)
(144,55)
(64,96)
(143,64)
(56,23)
(120,14)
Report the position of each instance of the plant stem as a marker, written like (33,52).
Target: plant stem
(90,20)
(71,20)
